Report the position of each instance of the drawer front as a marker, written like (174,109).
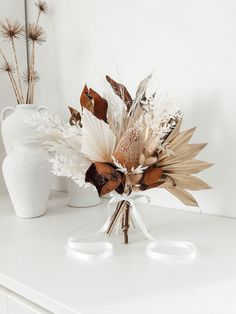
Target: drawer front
(18,305)
(3,301)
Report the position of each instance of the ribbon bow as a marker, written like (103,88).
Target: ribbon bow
(157,249)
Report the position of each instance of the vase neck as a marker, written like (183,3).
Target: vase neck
(26,107)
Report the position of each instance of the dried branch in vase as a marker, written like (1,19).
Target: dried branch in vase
(34,34)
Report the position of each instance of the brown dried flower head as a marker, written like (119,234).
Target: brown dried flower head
(42,6)
(128,148)
(7,67)
(11,30)
(35,33)
(26,76)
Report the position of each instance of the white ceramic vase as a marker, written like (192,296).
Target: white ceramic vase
(13,126)
(80,196)
(26,171)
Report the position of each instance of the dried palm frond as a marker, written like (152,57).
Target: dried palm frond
(99,141)
(11,30)
(178,168)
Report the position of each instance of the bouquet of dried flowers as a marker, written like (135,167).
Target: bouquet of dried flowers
(34,34)
(124,144)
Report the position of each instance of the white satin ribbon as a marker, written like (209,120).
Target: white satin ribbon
(163,250)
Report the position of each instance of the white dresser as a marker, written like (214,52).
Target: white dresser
(37,275)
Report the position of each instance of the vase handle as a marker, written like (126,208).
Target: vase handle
(42,109)
(4,111)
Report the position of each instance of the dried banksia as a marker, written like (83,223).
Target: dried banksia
(35,34)
(42,6)
(26,77)
(7,67)
(11,30)
(128,149)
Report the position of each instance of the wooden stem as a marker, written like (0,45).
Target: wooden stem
(115,217)
(13,82)
(17,71)
(126,224)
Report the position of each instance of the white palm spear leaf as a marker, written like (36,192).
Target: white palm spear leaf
(98,140)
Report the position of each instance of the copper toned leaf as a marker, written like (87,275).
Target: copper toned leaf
(85,100)
(105,178)
(100,105)
(121,91)
(150,178)
(75,116)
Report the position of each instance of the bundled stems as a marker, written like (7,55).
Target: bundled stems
(122,212)
(18,72)
(12,79)
(11,31)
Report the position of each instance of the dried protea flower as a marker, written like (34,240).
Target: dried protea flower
(26,77)
(11,30)
(35,34)
(42,6)
(128,148)
(7,67)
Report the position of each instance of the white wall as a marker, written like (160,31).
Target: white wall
(12,9)
(191,45)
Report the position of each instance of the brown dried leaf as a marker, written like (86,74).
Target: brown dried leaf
(100,105)
(121,91)
(105,178)
(150,178)
(75,116)
(85,100)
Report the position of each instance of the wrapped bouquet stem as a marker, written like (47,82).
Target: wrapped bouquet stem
(121,217)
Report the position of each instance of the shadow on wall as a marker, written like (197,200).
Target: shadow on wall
(2,156)
(211,115)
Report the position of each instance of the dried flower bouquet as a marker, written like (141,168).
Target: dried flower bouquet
(34,34)
(124,144)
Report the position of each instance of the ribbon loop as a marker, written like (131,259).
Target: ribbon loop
(156,249)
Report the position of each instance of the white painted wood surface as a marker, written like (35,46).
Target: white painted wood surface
(34,263)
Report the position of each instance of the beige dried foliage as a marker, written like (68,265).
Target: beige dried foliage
(178,169)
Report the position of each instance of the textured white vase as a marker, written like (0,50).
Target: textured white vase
(80,196)
(13,126)
(28,179)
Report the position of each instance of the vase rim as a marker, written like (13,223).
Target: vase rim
(26,106)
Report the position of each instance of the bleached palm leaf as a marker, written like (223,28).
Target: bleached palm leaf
(187,167)
(184,196)
(185,152)
(175,131)
(189,182)
(99,141)
(181,138)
